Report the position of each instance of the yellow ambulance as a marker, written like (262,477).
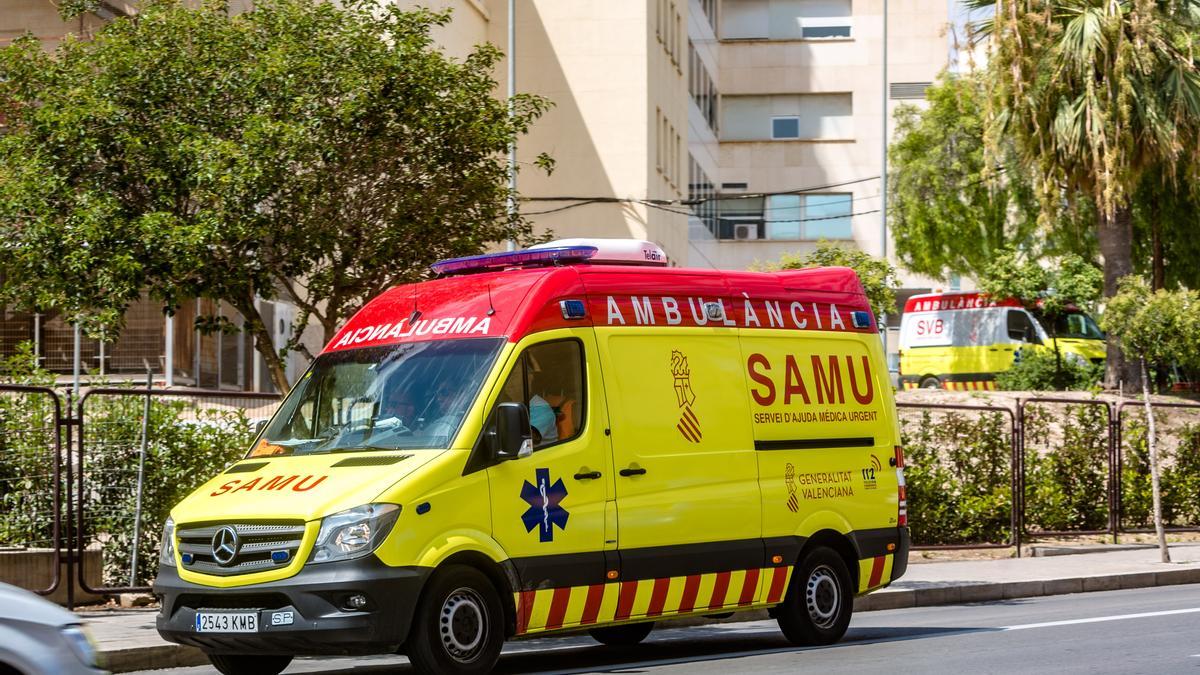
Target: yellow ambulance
(960,340)
(572,436)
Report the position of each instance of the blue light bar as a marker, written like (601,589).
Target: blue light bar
(541,256)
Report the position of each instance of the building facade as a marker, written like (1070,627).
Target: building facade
(730,132)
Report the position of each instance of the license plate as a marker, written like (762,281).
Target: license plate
(226,622)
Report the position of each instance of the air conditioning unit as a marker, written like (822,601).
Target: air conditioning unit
(745,232)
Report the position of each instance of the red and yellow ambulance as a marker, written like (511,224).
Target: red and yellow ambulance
(573,436)
(961,339)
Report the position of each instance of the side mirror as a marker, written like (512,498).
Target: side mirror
(511,438)
(258,425)
(1031,336)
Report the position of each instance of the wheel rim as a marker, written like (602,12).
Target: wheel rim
(463,625)
(823,597)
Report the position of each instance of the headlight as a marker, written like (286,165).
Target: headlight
(353,533)
(166,553)
(81,644)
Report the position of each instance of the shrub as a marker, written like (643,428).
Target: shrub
(1036,370)
(1066,487)
(186,446)
(958,472)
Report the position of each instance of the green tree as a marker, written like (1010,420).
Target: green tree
(952,213)
(1049,291)
(1095,95)
(311,151)
(1162,327)
(878,277)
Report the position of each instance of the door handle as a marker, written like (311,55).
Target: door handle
(632,472)
(590,475)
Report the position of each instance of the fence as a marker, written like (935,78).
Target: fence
(90,482)
(1068,473)
(98,476)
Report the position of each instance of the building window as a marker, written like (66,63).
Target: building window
(701,193)
(786,19)
(786,217)
(787,116)
(702,88)
(710,12)
(785,127)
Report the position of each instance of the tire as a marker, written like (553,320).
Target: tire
(931,382)
(819,601)
(249,664)
(459,624)
(622,636)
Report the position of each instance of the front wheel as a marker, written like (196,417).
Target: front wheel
(622,636)
(249,664)
(931,382)
(819,601)
(459,624)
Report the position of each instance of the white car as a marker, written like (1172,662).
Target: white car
(37,636)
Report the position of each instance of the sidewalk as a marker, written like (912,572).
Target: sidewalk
(128,641)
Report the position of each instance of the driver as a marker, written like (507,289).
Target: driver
(543,420)
(396,407)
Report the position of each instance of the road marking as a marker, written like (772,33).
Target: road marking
(1099,619)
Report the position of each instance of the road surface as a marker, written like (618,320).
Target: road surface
(1154,630)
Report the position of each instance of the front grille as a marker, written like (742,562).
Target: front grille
(260,547)
(233,601)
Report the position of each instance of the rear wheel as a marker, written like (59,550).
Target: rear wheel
(459,625)
(817,608)
(931,382)
(249,664)
(622,636)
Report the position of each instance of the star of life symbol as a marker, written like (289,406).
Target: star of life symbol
(689,425)
(545,510)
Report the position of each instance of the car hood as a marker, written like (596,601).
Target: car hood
(21,605)
(1087,348)
(304,487)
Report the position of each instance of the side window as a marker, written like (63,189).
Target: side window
(548,379)
(1020,328)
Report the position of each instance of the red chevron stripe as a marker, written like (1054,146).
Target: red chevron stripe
(778,584)
(749,587)
(658,597)
(691,424)
(691,588)
(876,571)
(719,590)
(687,412)
(524,610)
(558,608)
(591,607)
(625,602)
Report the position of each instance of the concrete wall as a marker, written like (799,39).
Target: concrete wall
(774,74)
(33,570)
(612,82)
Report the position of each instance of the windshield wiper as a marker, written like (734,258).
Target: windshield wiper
(358,448)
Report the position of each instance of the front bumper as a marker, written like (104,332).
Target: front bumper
(319,624)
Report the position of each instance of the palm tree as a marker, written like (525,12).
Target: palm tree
(1096,95)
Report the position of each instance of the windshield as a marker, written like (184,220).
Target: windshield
(405,396)
(1073,325)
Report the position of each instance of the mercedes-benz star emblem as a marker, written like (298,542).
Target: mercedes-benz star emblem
(225,545)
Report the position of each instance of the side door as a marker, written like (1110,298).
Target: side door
(548,508)
(688,508)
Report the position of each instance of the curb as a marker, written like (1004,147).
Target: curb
(176,656)
(152,657)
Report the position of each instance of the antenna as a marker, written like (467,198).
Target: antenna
(416,313)
(491,307)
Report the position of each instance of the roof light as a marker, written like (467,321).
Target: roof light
(573,309)
(860,319)
(615,251)
(530,256)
